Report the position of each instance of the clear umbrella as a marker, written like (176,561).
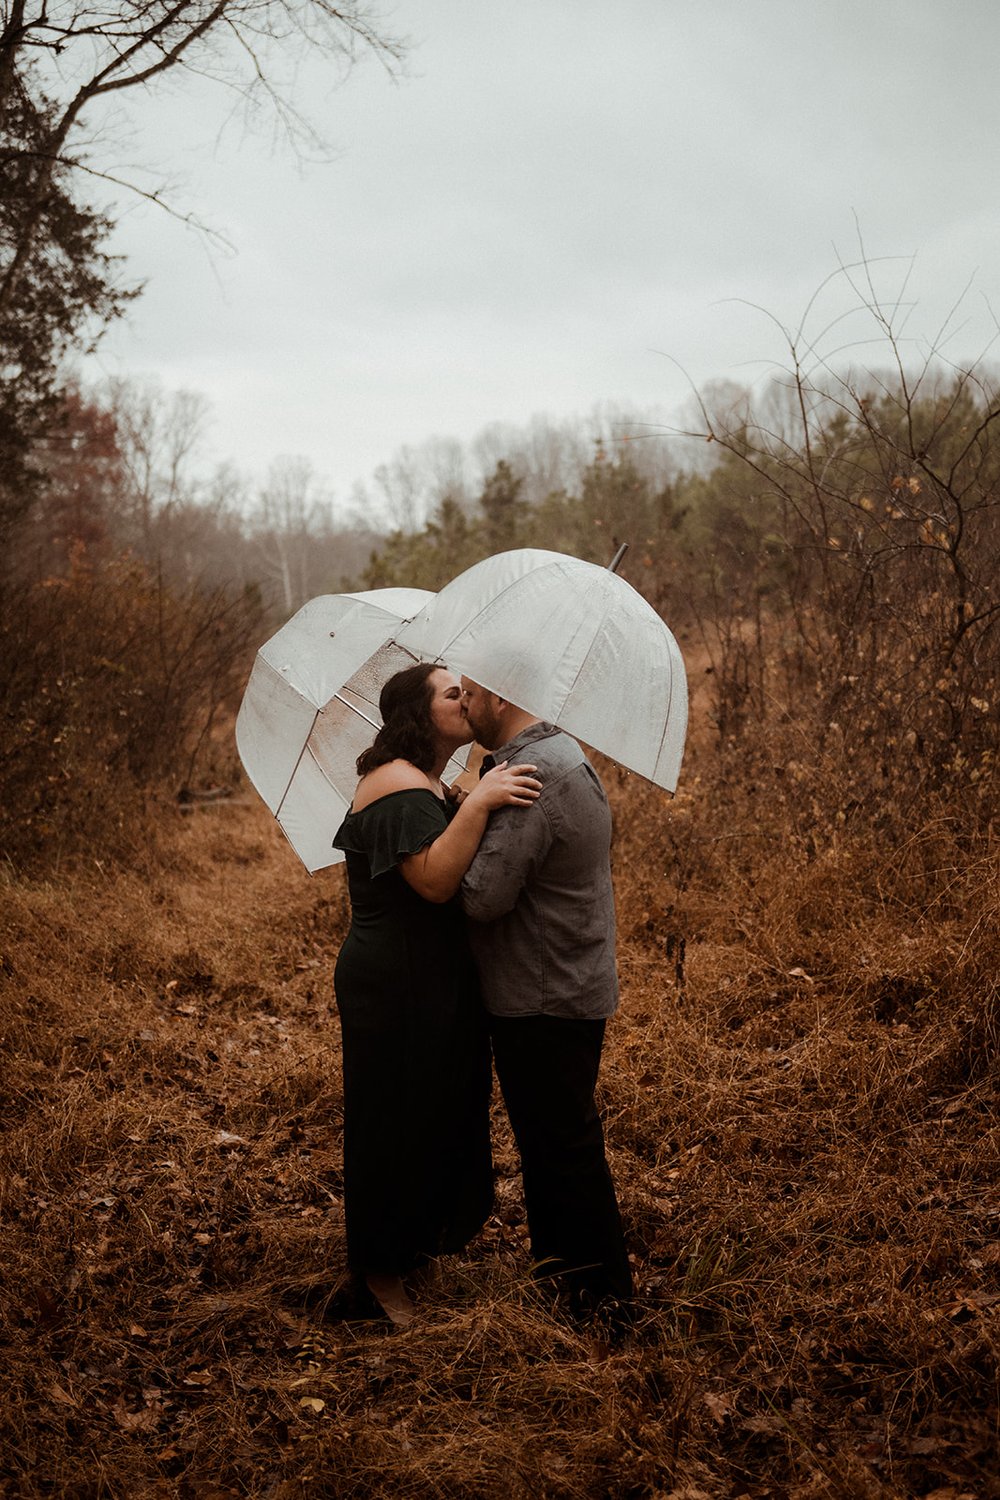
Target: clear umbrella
(311,707)
(568,640)
(571,642)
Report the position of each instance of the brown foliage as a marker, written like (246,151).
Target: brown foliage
(800,1099)
(863,613)
(111,685)
(800,1089)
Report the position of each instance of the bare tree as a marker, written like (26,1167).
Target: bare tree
(66,55)
(447,473)
(60,61)
(292,517)
(880,494)
(159,436)
(400,488)
(555,457)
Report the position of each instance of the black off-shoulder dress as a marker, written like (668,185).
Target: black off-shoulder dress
(418,1175)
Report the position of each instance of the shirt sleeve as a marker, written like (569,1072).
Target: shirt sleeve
(391,828)
(514,844)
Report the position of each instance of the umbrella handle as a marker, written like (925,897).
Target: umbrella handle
(615,562)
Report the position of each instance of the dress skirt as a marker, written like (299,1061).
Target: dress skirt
(418,1175)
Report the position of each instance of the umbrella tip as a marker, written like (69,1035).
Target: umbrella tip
(615,562)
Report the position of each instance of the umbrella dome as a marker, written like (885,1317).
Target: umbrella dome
(571,642)
(311,707)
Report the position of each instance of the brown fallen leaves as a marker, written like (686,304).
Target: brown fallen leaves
(800,1102)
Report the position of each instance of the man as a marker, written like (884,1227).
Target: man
(541,921)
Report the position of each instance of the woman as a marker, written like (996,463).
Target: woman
(417,1167)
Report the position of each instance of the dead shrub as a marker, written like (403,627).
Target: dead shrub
(112,688)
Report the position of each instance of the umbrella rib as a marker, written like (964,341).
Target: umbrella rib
(305,744)
(670,690)
(354,710)
(666,718)
(587,656)
(298,762)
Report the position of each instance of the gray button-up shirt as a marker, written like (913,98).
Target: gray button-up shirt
(538,893)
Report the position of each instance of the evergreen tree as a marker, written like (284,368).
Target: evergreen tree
(58,285)
(503,509)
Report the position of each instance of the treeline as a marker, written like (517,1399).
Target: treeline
(135,585)
(121,470)
(133,591)
(835,554)
(839,559)
(128,592)
(834,544)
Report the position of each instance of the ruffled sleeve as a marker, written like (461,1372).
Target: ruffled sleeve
(391,828)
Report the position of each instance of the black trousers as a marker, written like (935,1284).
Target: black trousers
(547,1068)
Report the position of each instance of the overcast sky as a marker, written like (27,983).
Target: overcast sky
(560,200)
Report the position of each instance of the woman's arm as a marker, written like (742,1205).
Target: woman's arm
(435,872)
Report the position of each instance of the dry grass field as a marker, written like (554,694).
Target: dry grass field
(800,1094)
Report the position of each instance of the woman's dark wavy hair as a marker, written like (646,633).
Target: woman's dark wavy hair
(407,732)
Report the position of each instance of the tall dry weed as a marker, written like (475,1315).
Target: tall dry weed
(800,1103)
(114,689)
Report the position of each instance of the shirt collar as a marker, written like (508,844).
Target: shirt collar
(540,730)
